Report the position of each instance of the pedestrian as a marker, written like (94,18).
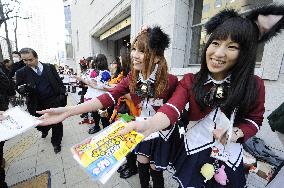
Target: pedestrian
(149,84)
(17,63)
(94,79)
(115,69)
(43,88)
(226,101)
(6,88)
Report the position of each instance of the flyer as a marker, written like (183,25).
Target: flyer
(102,154)
(16,122)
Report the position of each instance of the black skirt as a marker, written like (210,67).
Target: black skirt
(187,170)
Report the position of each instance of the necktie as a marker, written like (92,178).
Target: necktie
(38,71)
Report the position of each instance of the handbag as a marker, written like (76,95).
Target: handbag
(276,119)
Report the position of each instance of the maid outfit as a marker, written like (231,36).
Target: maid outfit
(198,145)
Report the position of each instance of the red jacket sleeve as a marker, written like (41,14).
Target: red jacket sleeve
(179,99)
(251,123)
(108,99)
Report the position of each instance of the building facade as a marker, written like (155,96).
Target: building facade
(104,26)
(43,30)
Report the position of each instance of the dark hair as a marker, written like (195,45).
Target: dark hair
(5,61)
(125,60)
(16,52)
(118,66)
(28,50)
(243,90)
(101,62)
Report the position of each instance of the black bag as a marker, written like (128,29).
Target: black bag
(276,119)
(63,100)
(123,108)
(257,148)
(7,85)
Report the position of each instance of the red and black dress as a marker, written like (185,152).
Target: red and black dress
(195,150)
(154,147)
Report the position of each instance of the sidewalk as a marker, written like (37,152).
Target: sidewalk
(28,155)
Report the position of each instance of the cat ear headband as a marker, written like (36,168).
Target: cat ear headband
(269,19)
(158,39)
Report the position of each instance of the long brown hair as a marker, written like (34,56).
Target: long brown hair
(141,42)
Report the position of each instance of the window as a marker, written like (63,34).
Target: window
(218,3)
(201,13)
(206,8)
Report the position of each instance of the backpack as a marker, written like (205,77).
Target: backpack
(276,119)
(257,148)
(7,85)
(124,106)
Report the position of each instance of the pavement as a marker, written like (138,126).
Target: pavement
(28,155)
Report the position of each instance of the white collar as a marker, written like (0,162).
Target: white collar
(39,65)
(152,76)
(210,79)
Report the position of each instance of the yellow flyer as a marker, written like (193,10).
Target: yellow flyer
(100,153)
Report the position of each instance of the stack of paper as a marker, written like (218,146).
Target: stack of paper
(16,122)
(102,154)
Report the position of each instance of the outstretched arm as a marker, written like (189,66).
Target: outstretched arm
(158,122)
(90,83)
(56,115)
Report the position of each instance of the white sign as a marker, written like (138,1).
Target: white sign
(17,122)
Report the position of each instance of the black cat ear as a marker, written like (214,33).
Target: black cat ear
(219,18)
(158,40)
(269,19)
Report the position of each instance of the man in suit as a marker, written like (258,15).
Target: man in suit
(43,88)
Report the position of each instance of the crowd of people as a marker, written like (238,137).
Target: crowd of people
(225,99)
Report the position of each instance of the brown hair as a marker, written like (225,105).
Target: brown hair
(151,58)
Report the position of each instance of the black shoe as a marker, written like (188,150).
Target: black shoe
(57,149)
(128,173)
(122,168)
(44,134)
(94,130)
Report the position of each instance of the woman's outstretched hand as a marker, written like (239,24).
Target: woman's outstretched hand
(53,115)
(142,127)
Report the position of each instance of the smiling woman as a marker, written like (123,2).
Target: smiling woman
(226,103)
(221,56)
(149,85)
(138,58)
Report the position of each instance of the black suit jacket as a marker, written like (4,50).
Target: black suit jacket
(24,76)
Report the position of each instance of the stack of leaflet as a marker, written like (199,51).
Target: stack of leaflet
(102,154)
(17,121)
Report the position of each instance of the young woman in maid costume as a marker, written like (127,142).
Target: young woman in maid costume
(149,85)
(226,101)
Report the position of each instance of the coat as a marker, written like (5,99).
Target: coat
(24,76)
